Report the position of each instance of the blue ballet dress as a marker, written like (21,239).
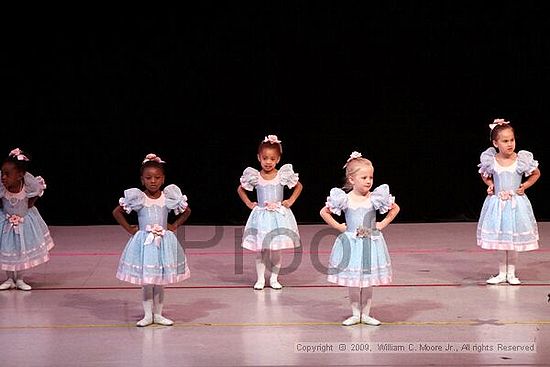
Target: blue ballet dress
(153,255)
(25,238)
(507,221)
(359,256)
(270,226)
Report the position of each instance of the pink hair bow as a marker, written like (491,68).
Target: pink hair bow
(353,155)
(18,153)
(151,157)
(498,122)
(272,139)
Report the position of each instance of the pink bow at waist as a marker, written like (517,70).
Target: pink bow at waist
(14,221)
(505,196)
(156,232)
(273,207)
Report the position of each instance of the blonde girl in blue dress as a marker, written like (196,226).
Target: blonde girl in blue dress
(271,226)
(25,239)
(153,257)
(507,222)
(359,258)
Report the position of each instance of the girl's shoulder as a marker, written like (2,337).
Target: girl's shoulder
(249,179)
(382,199)
(489,153)
(175,199)
(133,192)
(487,162)
(133,199)
(34,185)
(337,200)
(287,176)
(526,162)
(171,188)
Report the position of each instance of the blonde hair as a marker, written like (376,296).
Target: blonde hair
(352,167)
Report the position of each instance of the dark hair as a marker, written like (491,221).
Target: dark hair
(267,145)
(497,129)
(152,164)
(20,164)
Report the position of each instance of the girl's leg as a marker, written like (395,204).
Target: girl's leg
(501,277)
(147,306)
(261,259)
(276,260)
(355,302)
(366,301)
(511,269)
(10,282)
(158,303)
(19,283)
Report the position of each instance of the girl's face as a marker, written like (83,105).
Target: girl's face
(268,158)
(505,142)
(12,177)
(362,180)
(153,179)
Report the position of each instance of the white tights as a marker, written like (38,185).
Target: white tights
(360,300)
(507,263)
(268,258)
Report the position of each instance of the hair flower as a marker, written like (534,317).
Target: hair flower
(352,156)
(497,122)
(151,157)
(18,154)
(272,139)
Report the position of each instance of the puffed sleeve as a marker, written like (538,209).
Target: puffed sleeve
(175,200)
(34,186)
(287,176)
(526,163)
(337,201)
(381,198)
(133,200)
(250,178)
(487,162)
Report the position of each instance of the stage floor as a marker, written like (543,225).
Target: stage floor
(79,314)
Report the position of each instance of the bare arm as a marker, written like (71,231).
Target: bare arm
(297,191)
(119,215)
(533,177)
(329,219)
(489,182)
(180,219)
(244,197)
(390,216)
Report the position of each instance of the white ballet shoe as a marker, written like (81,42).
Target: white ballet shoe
(259,285)
(353,320)
(20,284)
(497,279)
(366,319)
(274,283)
(8,284)
(161,320)
(512,280)
(147,320)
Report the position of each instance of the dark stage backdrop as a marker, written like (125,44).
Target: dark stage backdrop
(412,86)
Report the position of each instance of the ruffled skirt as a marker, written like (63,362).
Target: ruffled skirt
(507,224)
(160,262)
(26,245)
(359,261)
(271,230)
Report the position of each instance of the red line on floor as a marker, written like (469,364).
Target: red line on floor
(290,286)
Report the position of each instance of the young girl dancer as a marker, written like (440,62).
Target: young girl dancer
(359,259)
